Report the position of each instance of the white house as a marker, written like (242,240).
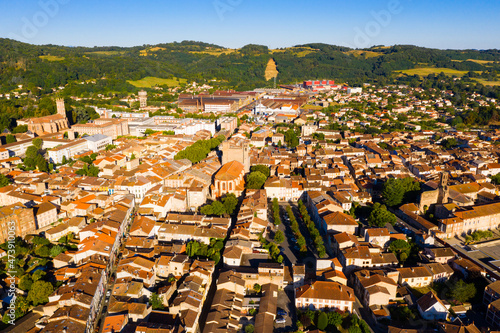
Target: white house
(432,308)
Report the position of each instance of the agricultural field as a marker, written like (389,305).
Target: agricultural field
(150,50)
(488,83)
(481,62)
(215,51)
(151,81)
(296,51)
(51,58)
(424,71)
(106,53)
(363,54)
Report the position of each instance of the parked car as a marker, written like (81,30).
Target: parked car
(281,312)
(280,320)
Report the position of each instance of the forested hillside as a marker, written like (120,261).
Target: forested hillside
(49,66)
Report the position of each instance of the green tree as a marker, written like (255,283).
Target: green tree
(462,291)
(230,202)
(25,282)
(31,152)
(449,143)
(149,131)
(279,237)
(255,180)
(218,208)
(56,250)
(380,216)
(38,275)
(156,302)
(257,288)
(322,322)
(43,251)
(38,143)
(192,248)
(10,138)
(496,179)
(334,318)
(22,306)
(262,168)
(132,157)
(206,210)
(397,191)
(249,328)
(401,249)
(39,292)
(4,180)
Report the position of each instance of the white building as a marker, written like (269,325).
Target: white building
(68,150)
(98,142)
(354,90)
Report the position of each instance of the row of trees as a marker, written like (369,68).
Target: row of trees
(478,235)
(200,149)
(313,231)
(331,321)
(294,225)
(276,212)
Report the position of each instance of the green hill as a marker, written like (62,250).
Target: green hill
(49,66)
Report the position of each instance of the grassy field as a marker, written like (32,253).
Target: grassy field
(51,58)
(424,71)
(482,62)
(488,83)
(297,51)
(215,51)
(364,54)
(108,53)
(151,81)
(150,50)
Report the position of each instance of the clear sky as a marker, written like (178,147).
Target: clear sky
(456,24)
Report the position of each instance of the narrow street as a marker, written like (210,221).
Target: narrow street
(112,277)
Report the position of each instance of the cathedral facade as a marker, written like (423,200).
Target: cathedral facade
(48,124)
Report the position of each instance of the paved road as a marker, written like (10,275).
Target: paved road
(286,301)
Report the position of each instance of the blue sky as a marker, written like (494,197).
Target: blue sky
(456,24)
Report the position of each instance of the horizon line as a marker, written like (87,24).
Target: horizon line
(237,48)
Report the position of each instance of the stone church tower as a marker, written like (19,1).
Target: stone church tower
(443,189)
(60,107)
(236,152)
